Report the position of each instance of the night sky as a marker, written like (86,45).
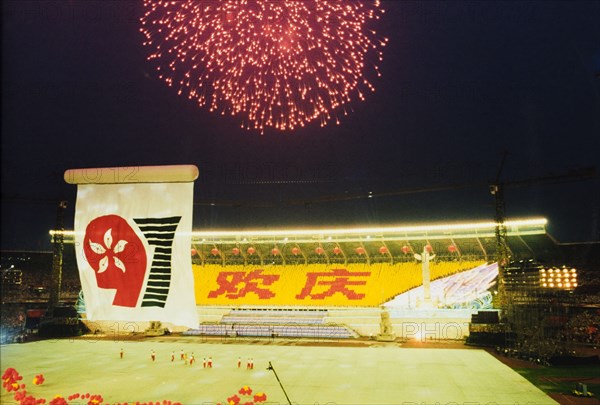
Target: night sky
(461,83)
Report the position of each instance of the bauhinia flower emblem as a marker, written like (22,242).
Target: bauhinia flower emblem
(117,256)
(108,250)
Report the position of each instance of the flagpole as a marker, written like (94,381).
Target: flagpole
(279,381)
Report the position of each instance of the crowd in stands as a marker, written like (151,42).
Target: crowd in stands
(27,277)
(352,284)
(32,283)
(12,328)
(26,283)
(36,288)
(585,328)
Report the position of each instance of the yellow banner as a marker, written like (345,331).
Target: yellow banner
(313,284)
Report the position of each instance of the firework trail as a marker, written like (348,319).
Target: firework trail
(274,63)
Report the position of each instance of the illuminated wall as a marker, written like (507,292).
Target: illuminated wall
(313,284)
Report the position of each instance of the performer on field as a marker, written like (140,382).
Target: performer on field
(153,355)
(121,353)
(172,357)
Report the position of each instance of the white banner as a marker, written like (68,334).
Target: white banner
(133,252)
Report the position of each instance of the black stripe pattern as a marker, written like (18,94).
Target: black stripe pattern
(160,233)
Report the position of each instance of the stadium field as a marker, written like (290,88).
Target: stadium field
(384,374)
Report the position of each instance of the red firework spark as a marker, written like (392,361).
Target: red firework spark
(275,63)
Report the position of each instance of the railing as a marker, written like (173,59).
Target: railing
(273,331)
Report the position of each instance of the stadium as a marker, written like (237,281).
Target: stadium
(250,202)
(348,301)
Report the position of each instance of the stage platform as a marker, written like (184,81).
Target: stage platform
(418,323)
(384,374)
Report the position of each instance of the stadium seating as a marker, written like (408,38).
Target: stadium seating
(258,330)
(282,317)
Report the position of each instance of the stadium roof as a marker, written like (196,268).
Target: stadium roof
(456,230)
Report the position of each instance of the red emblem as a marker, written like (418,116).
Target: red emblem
(117,255)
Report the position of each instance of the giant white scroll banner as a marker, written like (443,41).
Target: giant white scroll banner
(132,240)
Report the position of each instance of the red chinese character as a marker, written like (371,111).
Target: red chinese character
(236,284)
(336,280)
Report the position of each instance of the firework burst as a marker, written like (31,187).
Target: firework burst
(274,63)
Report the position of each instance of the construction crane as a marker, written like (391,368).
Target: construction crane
(57,259)
(497,190)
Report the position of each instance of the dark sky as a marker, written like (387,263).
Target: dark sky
(461,83)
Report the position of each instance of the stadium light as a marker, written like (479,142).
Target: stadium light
(558,278)
(518,226)
(376,230)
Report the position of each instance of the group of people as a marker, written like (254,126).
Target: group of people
(206,363)
(191,359)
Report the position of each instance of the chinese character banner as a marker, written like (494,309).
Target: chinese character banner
(312,284)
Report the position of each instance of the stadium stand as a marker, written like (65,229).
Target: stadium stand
(312,285)
(284,323)
(270,316)
(355,284)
